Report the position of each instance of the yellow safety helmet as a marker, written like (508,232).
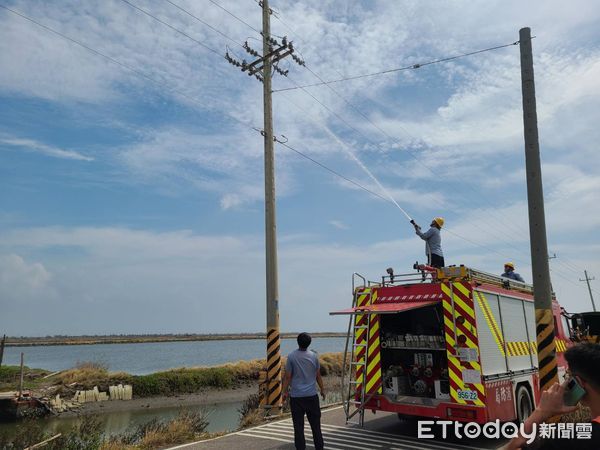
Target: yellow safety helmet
(439,221)
(509,264)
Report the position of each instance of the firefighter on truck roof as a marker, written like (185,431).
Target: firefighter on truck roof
(433,241)
(509,272)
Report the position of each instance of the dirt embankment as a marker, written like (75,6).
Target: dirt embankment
(193,386)
(146,338)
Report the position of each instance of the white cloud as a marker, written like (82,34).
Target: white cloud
(461,119)
(35,146)
(338,224)
(21,280)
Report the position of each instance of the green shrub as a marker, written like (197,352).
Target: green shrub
(10,374)
(148,385)
(181,381)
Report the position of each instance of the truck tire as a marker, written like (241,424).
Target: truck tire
(524,404)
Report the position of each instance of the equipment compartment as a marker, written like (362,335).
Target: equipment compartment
(413,354)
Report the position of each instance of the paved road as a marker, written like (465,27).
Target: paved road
(381,431)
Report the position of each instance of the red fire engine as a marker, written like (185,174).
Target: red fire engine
(452,343)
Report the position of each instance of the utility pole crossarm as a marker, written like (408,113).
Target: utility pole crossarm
(270,53)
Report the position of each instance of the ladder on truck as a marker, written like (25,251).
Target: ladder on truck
(356,395)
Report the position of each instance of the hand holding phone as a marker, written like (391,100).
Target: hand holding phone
(573,392)
(552,401)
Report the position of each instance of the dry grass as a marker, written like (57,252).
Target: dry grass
(186,427)
(184,380)
(245,370)
(81,376)
(252,418)
(90,374)
(331,363)
(174,432)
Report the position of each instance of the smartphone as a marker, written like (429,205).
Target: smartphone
(573,392)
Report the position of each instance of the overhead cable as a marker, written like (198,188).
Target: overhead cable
(411,153)
(375,194)
(399,69)
(124,65)
(349,180)
(234,16)
(173,28)
(202,21)
(368,119)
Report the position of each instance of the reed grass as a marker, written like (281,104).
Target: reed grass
(184,380)
(86,434)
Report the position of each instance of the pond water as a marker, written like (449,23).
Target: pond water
(221,417)
(141,359)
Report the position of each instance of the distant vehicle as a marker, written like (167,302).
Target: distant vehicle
(584,327)
(452,343)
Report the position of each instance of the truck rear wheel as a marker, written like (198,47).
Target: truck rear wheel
(524,404)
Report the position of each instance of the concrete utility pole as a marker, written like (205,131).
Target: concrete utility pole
(2,349)
(21,376)
(273,395)
(586,279)
(542,289)
(262,68)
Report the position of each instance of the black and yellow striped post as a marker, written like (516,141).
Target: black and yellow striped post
(273,385)
(542,289)
(546,349)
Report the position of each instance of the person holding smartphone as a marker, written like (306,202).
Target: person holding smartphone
(582,385)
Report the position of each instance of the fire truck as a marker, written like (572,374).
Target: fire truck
(453,343)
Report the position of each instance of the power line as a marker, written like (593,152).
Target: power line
(323,82)
(572,265)
(411,153)
(173,28)
(374,124)
(344,99)
(297,35)
(349,180)
(567,267)
(197,101)
(375,194)
(202,22)
(113,60)
(399,69)
(121,64)
(351,127)
(234,16)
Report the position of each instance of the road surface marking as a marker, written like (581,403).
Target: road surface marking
(340,438)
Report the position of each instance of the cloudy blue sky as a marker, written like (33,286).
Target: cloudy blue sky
(130,206)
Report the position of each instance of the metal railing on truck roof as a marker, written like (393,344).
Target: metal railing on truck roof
(425,274)
(392,279)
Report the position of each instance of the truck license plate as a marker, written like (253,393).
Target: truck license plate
(467,394)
